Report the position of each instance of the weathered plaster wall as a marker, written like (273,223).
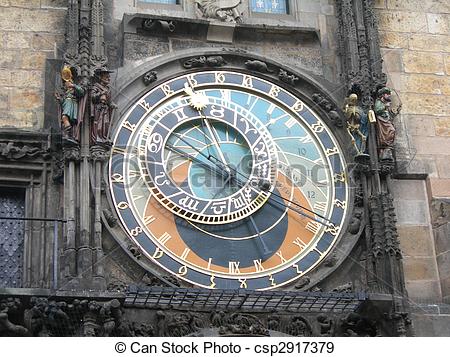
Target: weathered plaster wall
(30,32)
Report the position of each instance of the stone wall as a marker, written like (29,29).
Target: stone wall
(30,32)
(415,39)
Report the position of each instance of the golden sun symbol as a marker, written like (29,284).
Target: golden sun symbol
(198,101)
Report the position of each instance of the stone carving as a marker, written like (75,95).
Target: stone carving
(385,123)
(330,261)
(222,10)
(110,218)
(152,280)
(159,25)
(179,324)
(8,308)
(135,251)
(302,282)
(326,325)
(273,322)
(355,325)
(102,108)
(117,286)
(357,124)
(71,151)
(242,324)
(202,61)
(98,57)
(149,77)
(287,78)
(100,152)
(12,151)
(344,288)
(328,107)
(259,66)
(299,326)
(71,99)
(355,223)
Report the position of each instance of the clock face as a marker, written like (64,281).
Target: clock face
(228,181)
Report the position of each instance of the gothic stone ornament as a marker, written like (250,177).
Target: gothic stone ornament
(202,61)
(149,77)
(12,151)
(207,191)
(328,107)
(222,10)
(385,123)
(259,66)
(287,77)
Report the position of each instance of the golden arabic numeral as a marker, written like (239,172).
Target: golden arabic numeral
(157,254)
(191,80)
(213,283)
(122,205)
(117,178)
(182,271)
(129,126)
(136,231)
(332,229)
(298,106)
(340,204)
(166,89)
(247,82)
(220,77)
(243,283)
(274,91)
(340,177)
(272,280)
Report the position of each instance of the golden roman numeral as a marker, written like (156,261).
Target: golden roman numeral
(298,242)
(313,226)
(233,267)
(185,253)
(148,219)
(165,237)
(258,265)
(280,255)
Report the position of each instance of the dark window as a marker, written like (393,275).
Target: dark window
(12,205)
(270,6)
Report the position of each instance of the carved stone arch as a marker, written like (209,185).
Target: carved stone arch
(314,91)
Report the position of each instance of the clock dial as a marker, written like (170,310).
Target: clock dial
(228,181)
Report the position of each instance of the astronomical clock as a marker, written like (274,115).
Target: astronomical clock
(228,177)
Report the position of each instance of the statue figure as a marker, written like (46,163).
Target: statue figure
(223,10)
(385,126)
(357,124)
(102,108)
(71,105)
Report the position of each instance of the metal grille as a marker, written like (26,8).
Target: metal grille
(243,299)
(12,204)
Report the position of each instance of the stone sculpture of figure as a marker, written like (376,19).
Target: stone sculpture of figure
(385,126)
(71,108)
(357,123)
(102,108)
(223,10)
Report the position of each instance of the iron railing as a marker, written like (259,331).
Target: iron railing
(160,297)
